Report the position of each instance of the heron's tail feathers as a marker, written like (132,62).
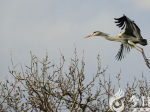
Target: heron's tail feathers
(143,42)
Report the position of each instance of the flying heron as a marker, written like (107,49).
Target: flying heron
(128,38)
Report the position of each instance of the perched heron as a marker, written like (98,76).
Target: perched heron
(129,37)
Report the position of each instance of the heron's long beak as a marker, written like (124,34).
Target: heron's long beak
(88,36)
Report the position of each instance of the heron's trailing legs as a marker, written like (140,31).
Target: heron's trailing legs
(142,51)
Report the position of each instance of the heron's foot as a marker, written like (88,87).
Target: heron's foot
(147,61)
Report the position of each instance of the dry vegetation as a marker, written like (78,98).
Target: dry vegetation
(49,89)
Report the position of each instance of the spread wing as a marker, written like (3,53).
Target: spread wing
(130,27)
(124,48)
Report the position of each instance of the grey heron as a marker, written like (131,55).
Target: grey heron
(128,38)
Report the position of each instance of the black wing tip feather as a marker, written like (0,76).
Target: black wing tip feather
(119,55)
(129,25)
(122,51)
(120,22)
(120,17)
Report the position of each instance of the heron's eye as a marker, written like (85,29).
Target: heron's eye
(95,32)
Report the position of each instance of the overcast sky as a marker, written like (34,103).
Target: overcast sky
(53,25)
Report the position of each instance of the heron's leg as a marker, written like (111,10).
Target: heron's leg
(131,43)
(142,51)
(137,49)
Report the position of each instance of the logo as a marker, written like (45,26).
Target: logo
(115,102)
(145,104)
(134,100)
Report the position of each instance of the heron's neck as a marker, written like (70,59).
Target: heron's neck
(106,36)
(110,38)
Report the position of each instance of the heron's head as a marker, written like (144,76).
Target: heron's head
(96,33)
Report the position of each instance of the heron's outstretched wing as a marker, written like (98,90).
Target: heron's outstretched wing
(130,27)
(124,48)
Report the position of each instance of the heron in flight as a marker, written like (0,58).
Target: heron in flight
(128,38)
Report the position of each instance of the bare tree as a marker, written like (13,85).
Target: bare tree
(43,86)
